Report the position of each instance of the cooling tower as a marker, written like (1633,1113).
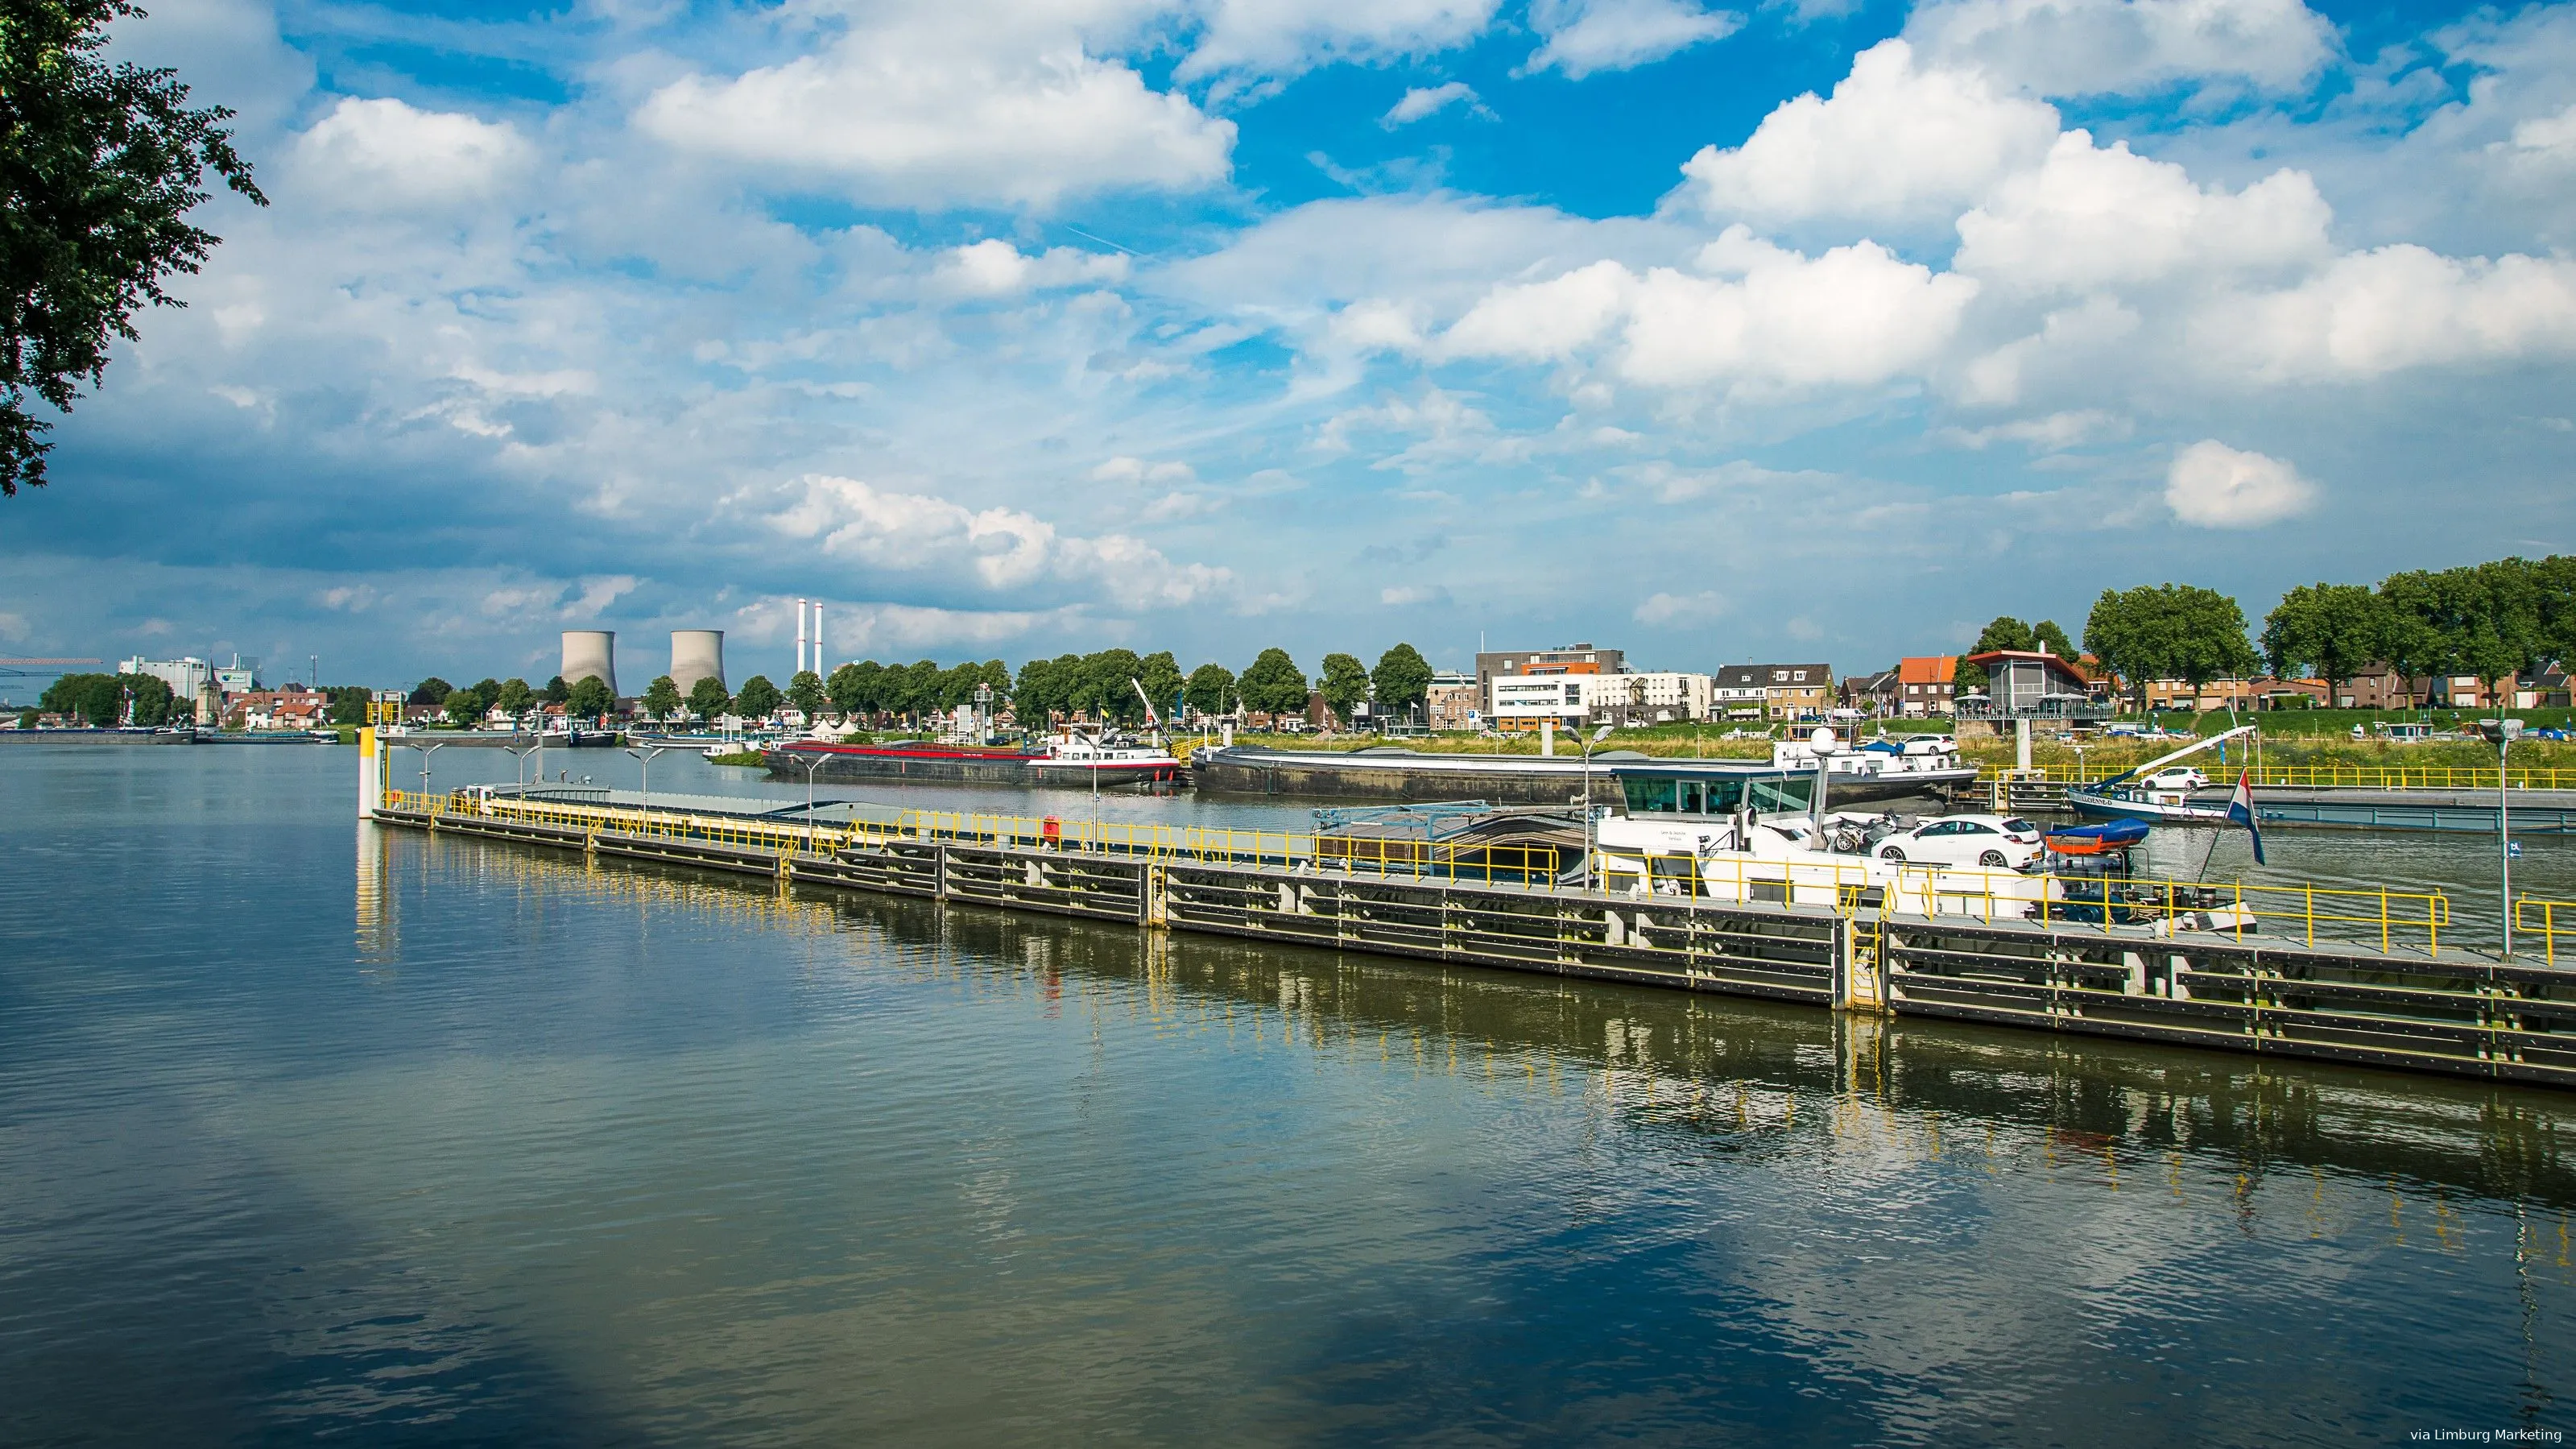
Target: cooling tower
(590,652)
(696,654)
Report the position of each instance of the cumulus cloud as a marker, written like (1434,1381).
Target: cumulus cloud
(2091,216)
(995,268)
(1584,37)
(923,114)
(1250,40)
(1137,470)
(1854,316)
(1759,315)
(371,154)
(1422,101)
(2374,312)
(1668,608)
(2097,47)
(1003,549)
(1896,142)
(2215,486)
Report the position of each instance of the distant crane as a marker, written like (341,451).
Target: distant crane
(37,668)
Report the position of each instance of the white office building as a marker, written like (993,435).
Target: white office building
(1664,696)
(1521,702)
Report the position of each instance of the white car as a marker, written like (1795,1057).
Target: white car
(2180,777)
(1996,842)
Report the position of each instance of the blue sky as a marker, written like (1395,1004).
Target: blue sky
(1793,329)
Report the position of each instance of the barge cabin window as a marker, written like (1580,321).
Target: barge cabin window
(1675,795)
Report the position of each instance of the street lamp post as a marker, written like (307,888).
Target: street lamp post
(520,753)
(425,752)
(811,766)
(646,754)
(2503,732)
(1589,853)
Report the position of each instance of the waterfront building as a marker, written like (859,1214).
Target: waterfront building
(1739,690)
(1565,659)
(1522,703)
(1663,696)
(1874,693)
(1453,702)
(1925,684)
(2029,684)
(1794,692)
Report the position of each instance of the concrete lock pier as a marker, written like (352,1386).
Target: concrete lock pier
(2387,993)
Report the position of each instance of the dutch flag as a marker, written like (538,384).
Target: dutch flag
(2240,808)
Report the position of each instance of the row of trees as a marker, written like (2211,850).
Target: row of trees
(100,699)
(2492,620)
(1104,685)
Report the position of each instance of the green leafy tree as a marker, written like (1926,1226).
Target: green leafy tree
(102,163)
(2005,632)
(2330,629)
(852,688)
(349,704)
(432,690)
(805,691)
(96,699)
(2169,631)
(1344,684)
(1211,689)
(661,698)
(1402,678)
(707,698)
(489,688)
(1106,692)
(1273,684)
(589,698)
(465,706)
(514,696)
(758,699)
(153,703)
(2047,636)
(558,692)
(1160,673)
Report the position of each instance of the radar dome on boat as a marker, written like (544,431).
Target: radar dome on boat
(1822,736)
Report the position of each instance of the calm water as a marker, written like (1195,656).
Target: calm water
(311,1132)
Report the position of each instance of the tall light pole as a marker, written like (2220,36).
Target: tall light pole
(520,754)
(2504,732)
(811,766)
(646,754)
(1589,854)
(425,752)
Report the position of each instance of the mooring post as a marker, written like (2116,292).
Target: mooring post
(371,773)
(939,871)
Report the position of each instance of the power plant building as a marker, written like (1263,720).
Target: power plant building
(696,654)
(590,654)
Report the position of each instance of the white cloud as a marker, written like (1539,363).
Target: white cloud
(1544,319)
(1667,608)
(995,268)
(1854,316)
(917,114)
(1003,549)
(2090,217)
(1137,470)
(1404,596)
(1424,101)
(2215,486)
(1895,142)
(2081,332)
(2374,312)
(2095,47)
(1584,37)
(373,154)
(13,626)
(1280,38)
(2053,433)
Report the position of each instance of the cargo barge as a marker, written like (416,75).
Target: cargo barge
(1071,764)
(1649,784)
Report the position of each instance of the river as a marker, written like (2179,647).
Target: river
(311,1130)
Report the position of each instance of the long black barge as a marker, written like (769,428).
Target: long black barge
(2346,1002)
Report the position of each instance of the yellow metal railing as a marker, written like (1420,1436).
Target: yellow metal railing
(2308,912)
(2351,777)
(2546,919)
